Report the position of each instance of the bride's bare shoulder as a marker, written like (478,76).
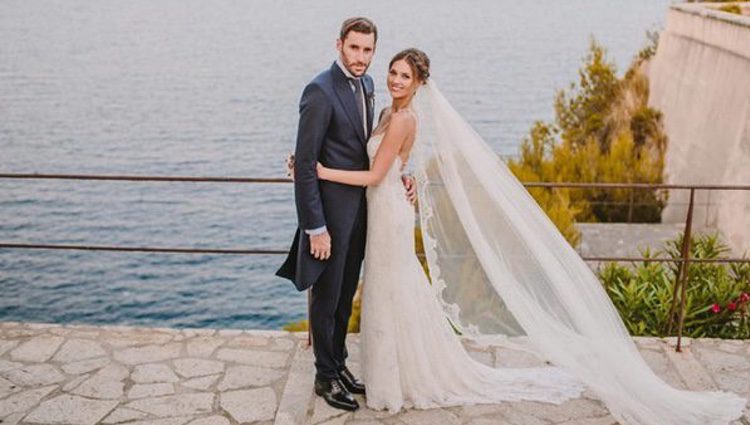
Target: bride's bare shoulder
(404,118)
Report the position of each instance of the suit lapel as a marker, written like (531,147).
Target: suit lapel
(344,92)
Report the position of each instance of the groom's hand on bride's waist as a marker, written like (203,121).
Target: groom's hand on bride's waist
(320,246)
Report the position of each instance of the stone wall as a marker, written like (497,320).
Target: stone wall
(700,80)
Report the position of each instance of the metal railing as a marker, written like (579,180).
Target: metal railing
(680,288)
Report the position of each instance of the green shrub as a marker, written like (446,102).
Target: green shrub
(604,132)
(731,8)
(717,294)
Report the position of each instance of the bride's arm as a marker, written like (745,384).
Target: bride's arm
(402,127)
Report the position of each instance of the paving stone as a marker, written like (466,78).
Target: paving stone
(731,346)
(114,371)
(486,421)
(253,358)
(13,419)
(117,329)
(85,366)
(717,361)
(659,362)
(169,421)
(98,386)
(148,354)
(282,344)
(23,401)
(211,420)
(250,405)
(648,342)
(191,368)
(203,347)
(174,405)
(322,412)
(262,360)
(85,334)
(203,383)
(68,409)
(6,365)
(150,390)
(248,341)
(194,332)
(672,341)
(514,417)
(35,375)
(738,382)
(60,331)
(6,345)
(40,326)
(602,420)
(123,414)
(339,420)
(132,339)
(7,387)
(691,372)
(230,332)
(19,333)
(153,373)
(79,349)
(429,417)
(483,409)
(72,384)
(573,409)
(297,394)
(300,335)
(248,376)
(269,333)
(38,349)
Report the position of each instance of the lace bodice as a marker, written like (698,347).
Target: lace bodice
(372,148)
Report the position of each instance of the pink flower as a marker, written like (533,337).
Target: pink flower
(732,306)
(716,308)
(745,297)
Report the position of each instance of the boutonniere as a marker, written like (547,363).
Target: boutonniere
(371,100)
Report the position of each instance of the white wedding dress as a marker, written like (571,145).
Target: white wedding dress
(498,267)
(411,356)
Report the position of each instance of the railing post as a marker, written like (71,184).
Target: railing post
(684,269)
(630,205)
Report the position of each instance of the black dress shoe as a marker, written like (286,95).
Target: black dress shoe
(350,382)
(335,394)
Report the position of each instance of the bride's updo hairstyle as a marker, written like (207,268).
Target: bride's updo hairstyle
(418,62)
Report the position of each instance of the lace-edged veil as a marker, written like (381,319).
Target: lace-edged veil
(500,267)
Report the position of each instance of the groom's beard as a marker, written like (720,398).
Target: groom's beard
(356,74)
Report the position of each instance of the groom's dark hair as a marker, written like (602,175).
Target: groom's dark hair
(358,24)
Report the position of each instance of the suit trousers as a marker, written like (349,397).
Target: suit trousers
(331,301)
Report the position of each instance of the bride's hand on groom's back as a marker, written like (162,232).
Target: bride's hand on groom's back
(411,188)
(290,166)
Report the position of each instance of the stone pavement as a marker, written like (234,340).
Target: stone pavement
(51,374)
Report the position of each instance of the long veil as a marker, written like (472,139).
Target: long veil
(500,267)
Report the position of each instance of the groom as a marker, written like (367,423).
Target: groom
(336,119)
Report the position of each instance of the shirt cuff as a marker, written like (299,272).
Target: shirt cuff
(317,231)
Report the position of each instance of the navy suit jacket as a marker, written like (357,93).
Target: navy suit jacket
(330,131)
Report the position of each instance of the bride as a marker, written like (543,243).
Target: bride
(497,267)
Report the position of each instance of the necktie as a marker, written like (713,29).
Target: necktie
(359,96)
